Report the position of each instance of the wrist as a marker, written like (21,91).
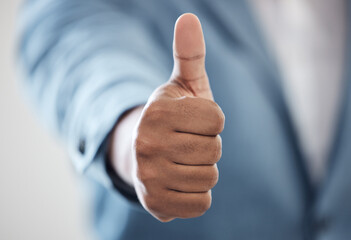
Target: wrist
(120,155)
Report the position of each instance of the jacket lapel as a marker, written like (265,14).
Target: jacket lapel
(341,142)
(244,31)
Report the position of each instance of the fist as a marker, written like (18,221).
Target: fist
(176,144)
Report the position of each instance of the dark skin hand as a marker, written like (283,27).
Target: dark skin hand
(171,158)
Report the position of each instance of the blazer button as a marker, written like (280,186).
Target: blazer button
(81,146)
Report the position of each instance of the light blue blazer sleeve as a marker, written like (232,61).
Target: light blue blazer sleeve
(84,63)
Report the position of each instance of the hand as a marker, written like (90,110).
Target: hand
(176,144)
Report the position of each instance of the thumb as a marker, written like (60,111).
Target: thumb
(189,56)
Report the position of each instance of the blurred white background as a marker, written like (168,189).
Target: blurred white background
(39,191)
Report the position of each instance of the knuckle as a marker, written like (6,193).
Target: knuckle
(156,111)
(152,204)
(146,146)
(142,147)
(145,175)
(139,144)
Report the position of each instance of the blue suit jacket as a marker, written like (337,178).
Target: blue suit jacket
(85,62)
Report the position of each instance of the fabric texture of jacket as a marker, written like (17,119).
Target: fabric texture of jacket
(85,62)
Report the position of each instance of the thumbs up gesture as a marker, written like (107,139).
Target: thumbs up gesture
(176,144)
